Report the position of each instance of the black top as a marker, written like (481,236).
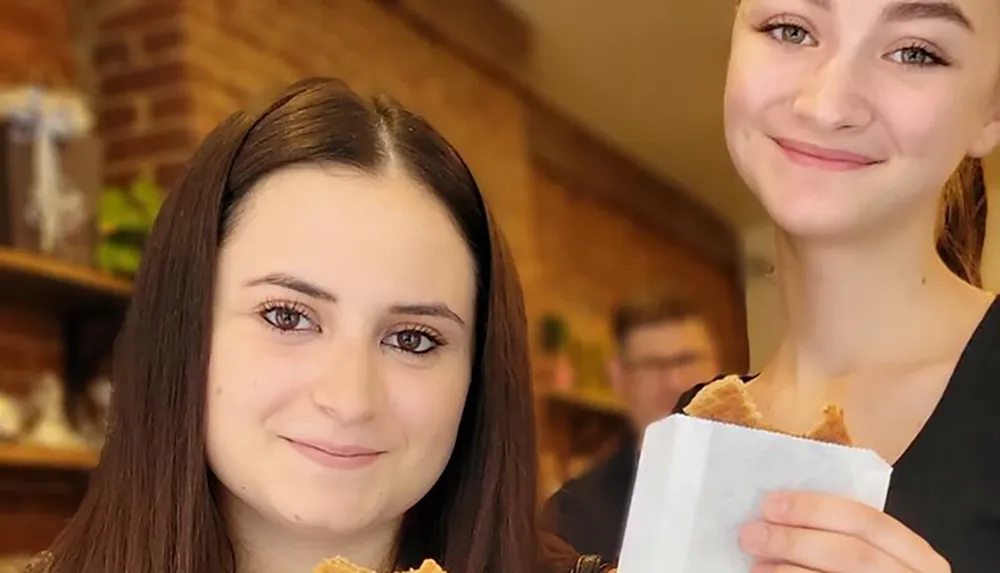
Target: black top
(946,485)
(589,512)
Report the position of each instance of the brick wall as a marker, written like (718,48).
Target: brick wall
(35,42)
(166,72)
(162,73)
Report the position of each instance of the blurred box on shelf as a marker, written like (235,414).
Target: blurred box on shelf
(50,175)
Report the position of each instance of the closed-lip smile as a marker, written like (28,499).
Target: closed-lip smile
(329,454)
(818,156)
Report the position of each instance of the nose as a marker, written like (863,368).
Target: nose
(348,388)
(831,97)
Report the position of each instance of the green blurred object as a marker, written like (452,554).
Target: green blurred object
(555,333)
(125,218)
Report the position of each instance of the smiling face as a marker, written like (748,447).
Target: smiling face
(843,115)
(341,351)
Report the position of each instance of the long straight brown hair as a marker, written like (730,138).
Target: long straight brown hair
(962,229)
(152,506)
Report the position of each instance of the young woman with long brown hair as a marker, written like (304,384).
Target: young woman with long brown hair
(846,118)
(325,356)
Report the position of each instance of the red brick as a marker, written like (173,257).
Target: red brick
(35,18)
(164,40)
(153,143)
(111,53)
(35,43)
(167,174)
(147,78)
(171,106)
(116,118)
(142,14)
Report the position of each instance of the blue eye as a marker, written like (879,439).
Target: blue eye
(919,56)
(789,34)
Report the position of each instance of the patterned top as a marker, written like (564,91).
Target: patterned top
(586,564)
(40,564)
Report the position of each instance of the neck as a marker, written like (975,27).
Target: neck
(262,545)
(874,306)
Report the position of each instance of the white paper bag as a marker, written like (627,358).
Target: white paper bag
(699,482)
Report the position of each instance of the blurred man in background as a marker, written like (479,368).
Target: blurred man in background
(664,347)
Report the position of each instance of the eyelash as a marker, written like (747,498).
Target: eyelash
(931,59)
(299,312)
(436,340)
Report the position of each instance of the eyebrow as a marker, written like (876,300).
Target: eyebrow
(431,309)
(435,309)
(293,283)
(904,11)
(917,10)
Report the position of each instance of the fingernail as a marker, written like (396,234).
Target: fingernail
(776,505)
(753,537)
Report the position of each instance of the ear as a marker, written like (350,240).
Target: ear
(989,137)
(616,374)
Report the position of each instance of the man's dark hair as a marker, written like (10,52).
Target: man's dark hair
(653,309)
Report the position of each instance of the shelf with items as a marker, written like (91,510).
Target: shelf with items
(60,314)
(46,462)
(580,418)
(28,456)
(40,281)
(595,402)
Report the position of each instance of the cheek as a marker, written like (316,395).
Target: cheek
(922,125)
(757,79)
(428,404)
(251,378)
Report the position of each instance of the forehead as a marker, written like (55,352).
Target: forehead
(351,232)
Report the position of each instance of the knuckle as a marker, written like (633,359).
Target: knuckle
(863,557)
(780,541)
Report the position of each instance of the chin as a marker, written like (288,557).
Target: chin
(814,221)
(341,513)
(804,204)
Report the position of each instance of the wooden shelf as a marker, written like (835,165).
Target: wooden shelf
(28,456)
(602,403)
(37,280)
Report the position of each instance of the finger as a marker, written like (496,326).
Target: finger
(848,517)
(816,550)
(780,568)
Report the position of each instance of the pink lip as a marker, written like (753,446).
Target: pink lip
(815,156)
(334,455)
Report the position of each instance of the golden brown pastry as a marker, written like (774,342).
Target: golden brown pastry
(341,565)
(727,401)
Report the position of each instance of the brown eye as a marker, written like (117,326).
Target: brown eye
(413,341)
(287,319)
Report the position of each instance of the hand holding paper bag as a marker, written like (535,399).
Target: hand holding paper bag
(819,533)
(700,482)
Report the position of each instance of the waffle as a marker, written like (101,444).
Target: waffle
(727,401)
(833,428)
(341,565)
